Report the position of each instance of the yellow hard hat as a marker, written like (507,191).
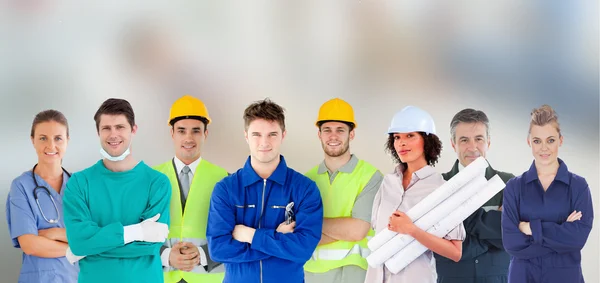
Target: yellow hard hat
(188,107)
(336,110)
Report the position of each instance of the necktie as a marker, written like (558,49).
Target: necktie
(185,181)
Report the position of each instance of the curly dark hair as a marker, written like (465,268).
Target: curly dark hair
(432,149)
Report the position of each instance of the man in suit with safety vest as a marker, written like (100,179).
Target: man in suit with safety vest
(348,186)
(185,256)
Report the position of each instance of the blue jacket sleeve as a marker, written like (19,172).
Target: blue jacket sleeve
(568,236)
(222,247)
(299,245)
(515,242)
(159,202)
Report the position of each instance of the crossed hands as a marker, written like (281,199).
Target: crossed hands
(55,234)
(245,234)
(184,256)
(286,228)
(525,227)
(148,230)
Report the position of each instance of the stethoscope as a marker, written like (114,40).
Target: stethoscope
(35,196)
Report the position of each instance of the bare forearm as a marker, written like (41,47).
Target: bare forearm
(42,247)
(345,228)
(446,248)
(62,238)
(56,234)
(326,240)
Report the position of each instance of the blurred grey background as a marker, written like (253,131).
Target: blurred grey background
(503,57)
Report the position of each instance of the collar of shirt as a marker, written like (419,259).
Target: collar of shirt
(250,177)
(347,168)
(420,174)
(561,175)
(179,165)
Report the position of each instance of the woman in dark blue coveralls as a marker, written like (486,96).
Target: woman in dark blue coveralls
(547,212)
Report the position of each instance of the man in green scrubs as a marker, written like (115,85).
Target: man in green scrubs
(117,211)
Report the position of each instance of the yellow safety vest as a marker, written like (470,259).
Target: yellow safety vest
(190,225)
(338,200)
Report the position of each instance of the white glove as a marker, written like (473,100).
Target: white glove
(147,231)
(72,258)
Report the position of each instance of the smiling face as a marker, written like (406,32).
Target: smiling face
(544,142)
(188,136)
(115,134)
(264,139)
(471,141)
(335,138)
(50,141)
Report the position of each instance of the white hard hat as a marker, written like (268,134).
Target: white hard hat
(412,119)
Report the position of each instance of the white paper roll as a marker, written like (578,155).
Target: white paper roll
(413,250)
(393,246)
(432,200)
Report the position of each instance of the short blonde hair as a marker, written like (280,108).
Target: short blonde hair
(543,116)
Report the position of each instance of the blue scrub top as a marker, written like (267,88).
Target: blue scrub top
(552,254)
(23,217)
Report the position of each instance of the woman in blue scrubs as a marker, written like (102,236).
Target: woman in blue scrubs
(34,205)
(547,211)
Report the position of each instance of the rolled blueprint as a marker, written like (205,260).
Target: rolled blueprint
(403,258)
(393,246)
(432,200)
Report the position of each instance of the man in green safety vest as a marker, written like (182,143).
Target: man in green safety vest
(185,256)
(348,186)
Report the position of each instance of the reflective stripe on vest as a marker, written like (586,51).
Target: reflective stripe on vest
(338,199)
(331,254)
(190,225)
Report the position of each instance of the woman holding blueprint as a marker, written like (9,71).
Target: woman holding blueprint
(547,214)
(415,148)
